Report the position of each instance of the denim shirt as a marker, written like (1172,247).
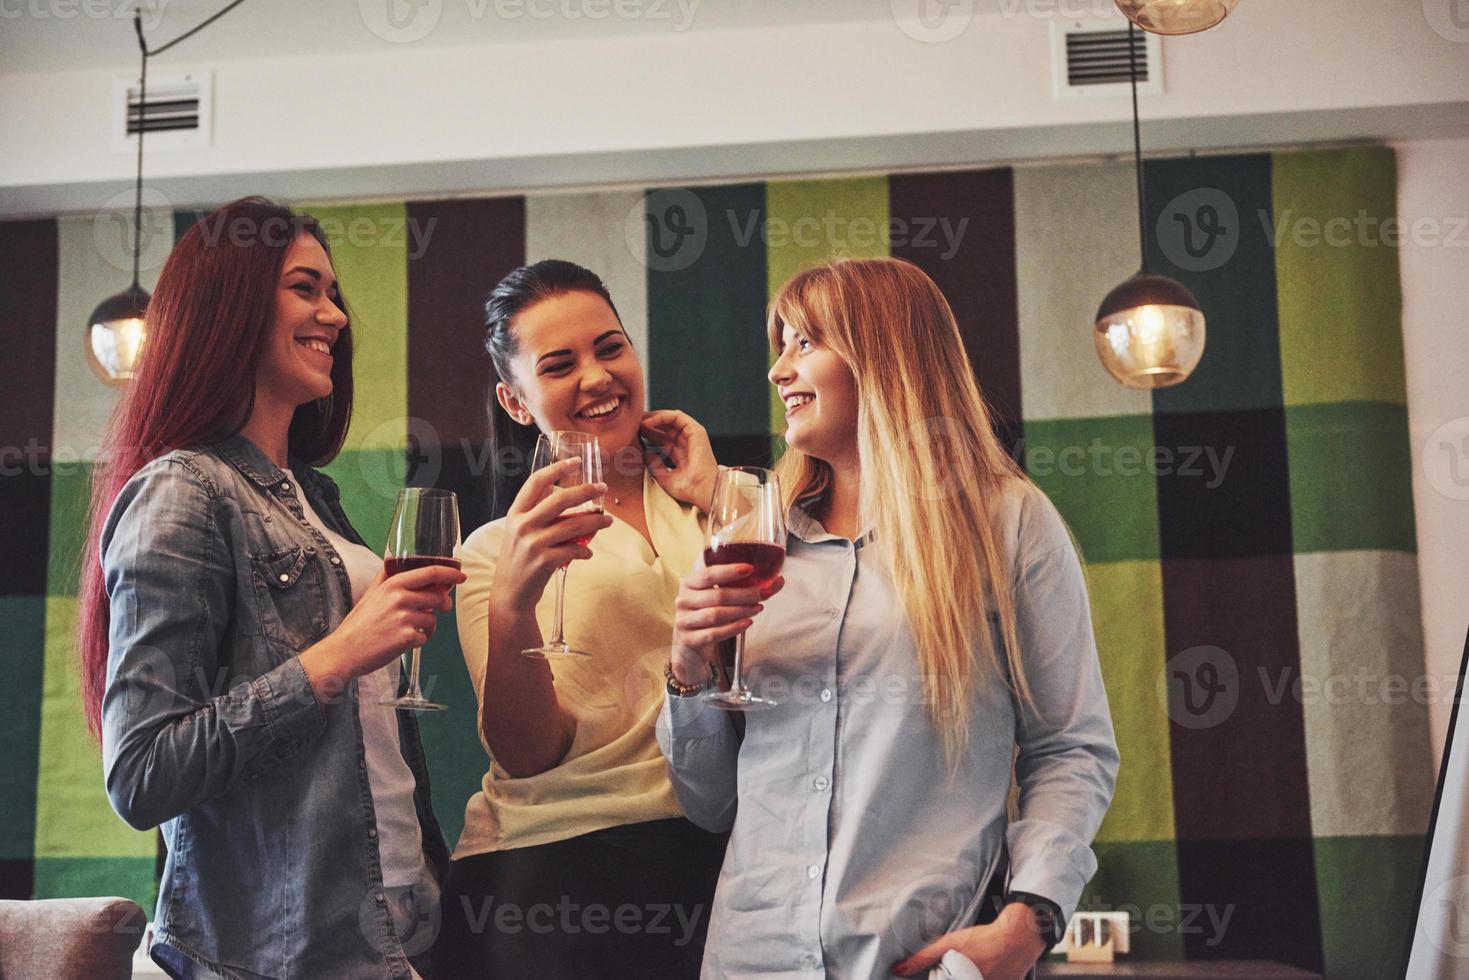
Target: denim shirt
(216,583)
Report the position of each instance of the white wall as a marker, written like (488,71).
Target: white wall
(420,119)
(1433,189)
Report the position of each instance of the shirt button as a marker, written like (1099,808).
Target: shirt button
(380,897)
(821,782)
(285,577)
(809,962)
(826,694)
(286,485)
(361,763)
(371,832)
(812,870)
(336,560)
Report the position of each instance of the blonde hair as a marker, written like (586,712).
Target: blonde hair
(932,468)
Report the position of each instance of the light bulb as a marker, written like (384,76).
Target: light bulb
(1176,16)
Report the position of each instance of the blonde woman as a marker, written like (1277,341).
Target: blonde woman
(934,626)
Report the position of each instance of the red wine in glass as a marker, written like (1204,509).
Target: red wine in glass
(582,539)
(407,563)
(766,558)
(424,532)
(746,525)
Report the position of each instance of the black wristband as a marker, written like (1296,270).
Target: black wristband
(1048,916)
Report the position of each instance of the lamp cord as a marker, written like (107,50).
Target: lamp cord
(1137,150)
(142,128)
(143,119)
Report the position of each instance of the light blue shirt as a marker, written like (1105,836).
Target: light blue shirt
(851,845)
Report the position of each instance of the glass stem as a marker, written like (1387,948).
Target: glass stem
(736,682)
(560,604)
(413,691)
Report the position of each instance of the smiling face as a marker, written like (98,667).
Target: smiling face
(574,369)
(296,365)
(820,396)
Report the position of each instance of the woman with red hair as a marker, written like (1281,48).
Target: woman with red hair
(237,637)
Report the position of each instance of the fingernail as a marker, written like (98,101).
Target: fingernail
(601,487)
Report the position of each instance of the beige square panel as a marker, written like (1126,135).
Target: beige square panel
(1363,691)
(1075,240)
(94,261)
(605,233)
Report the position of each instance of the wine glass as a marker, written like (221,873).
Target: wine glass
(746,525)
(424,531)
(552,448)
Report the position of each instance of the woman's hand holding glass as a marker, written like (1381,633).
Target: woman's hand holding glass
(710,609)
(396,613)
(541,538)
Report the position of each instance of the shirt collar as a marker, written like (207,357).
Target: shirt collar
(800,523)
(246,457)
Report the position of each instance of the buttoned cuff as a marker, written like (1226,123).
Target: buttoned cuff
(1049,860)
(293,716)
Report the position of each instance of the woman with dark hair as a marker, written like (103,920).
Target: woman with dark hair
(576,860)
(237,637)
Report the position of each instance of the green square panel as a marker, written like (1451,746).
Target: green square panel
(1100,474)
(1340,298)
(370,256)
(1127,608)
(812,221)
(370,480)
(23,624)
(1366,887)
(74,818)
(1351,477)
(1141,878)
(456,760)
(71,496)
(92,877)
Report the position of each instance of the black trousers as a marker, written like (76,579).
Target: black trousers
(630,901)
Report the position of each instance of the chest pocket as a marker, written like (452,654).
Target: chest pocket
(291,596)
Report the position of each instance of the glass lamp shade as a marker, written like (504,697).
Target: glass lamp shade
(1150,332)
(115,334)
(1176,16)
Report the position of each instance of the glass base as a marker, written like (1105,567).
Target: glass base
(554,651)
(409,703)
(743,699)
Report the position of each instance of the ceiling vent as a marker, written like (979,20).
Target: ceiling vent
(178,112)
(1089,59)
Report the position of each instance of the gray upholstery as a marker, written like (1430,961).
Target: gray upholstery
(69,939)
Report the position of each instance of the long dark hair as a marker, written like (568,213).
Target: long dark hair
(511,443)
(208,323)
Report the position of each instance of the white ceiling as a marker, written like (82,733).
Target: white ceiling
(63,35)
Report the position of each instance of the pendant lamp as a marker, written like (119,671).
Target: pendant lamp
(117,328)
(1176,16)
(1149,330)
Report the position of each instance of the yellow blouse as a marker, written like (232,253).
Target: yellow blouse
(619,608)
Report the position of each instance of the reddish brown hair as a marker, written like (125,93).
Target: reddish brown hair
(208,322)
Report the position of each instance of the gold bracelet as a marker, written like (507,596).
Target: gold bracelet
(678,688)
